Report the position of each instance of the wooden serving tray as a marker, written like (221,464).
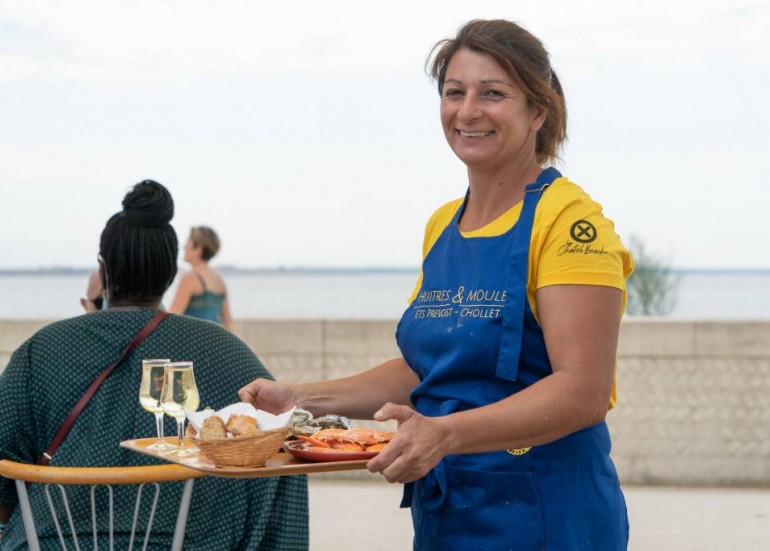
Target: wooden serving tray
(280,464)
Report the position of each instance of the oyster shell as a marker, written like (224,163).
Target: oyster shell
(311,426)
(299,416)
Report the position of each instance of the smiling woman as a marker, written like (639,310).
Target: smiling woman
(521,77)
(487,118)
(508,345)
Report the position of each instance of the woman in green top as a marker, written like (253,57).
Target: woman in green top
(201,292)
(48,374)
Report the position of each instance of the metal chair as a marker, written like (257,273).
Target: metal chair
(59,478)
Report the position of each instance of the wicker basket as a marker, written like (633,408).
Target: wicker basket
(252,450)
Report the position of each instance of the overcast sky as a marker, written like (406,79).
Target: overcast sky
(307,133)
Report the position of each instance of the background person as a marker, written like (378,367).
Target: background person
(201,292)
(93,301)
(138,261)
(509,341)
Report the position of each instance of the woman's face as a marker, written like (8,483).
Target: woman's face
(190,251)
(486,118)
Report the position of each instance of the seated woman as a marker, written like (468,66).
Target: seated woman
(48,374)
(201,292)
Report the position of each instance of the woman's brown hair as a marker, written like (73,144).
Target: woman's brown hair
(523,57)
(203,236)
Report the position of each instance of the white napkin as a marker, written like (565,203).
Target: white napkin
(265,420)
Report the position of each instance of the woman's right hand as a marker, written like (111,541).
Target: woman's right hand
(268,395)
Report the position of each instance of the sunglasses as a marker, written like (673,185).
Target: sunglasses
(98,302)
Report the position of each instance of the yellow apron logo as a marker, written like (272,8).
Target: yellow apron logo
(520,451)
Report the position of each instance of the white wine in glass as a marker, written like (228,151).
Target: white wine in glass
(179,397)
(149,398)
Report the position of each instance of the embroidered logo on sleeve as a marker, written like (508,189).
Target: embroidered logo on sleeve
(583,231)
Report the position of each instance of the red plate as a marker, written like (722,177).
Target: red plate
(296,448)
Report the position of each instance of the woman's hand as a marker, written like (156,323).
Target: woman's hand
(268,395)
(418,446)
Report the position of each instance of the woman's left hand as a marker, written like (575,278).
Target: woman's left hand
(418,446)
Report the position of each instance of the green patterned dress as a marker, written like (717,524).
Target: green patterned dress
(47,375)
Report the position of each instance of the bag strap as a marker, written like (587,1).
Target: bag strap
(45,459)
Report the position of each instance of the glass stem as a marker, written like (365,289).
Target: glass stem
(159,425)
(180,430)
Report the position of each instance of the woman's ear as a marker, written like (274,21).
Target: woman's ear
(539,113)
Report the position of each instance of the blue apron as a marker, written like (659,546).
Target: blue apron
(472,339)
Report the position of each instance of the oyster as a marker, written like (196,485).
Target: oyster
(299,416)
(310,426)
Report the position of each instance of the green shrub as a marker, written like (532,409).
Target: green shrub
(653,287)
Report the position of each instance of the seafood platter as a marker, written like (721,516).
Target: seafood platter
(239,442)
(331,438)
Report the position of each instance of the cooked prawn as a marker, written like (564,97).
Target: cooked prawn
(348,440)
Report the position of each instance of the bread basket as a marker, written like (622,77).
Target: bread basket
(251,450)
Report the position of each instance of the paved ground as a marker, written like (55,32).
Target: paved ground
(347,515)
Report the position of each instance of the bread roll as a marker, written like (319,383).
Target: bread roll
(238,425)
(213,427)
(190,431)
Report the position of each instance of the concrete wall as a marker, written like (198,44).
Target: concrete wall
(694,397)
(694,403)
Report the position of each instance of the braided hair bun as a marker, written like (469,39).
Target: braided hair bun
(148,204)
(139,246)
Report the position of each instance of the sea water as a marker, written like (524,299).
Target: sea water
(365,295)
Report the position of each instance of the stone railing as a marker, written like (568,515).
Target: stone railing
(693,397)
(693,403)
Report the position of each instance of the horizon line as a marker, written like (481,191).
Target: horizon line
(234,269)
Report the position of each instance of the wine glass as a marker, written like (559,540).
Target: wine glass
(179,397)
(149,397)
